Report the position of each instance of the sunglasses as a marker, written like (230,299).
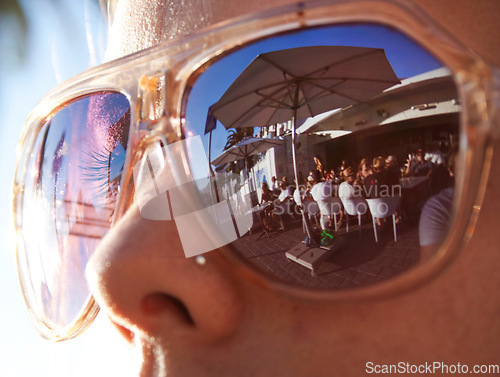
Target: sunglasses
(187,131)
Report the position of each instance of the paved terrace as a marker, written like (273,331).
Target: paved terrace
(361,261)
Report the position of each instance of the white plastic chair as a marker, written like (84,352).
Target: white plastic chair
(297,197)
(309,207)
(354,204)
(329,207)
(312,209)
(354,207)
(382,208)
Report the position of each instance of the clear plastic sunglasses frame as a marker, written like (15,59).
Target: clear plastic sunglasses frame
(178,63)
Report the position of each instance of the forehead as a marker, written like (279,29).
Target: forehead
(139,24)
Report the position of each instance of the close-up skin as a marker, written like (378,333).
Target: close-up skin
(235,327)
(188,318)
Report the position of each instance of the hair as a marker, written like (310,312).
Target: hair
(378,162)
(316,174)
(392,158)
(363,162)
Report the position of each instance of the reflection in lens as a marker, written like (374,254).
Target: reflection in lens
(72,180)
(338,205)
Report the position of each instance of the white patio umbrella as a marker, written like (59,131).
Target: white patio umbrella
(246,148)
(302,82)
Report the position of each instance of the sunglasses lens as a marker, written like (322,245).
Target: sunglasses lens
(72,176)
(353,93)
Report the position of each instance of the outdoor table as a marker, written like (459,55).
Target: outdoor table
(257,209)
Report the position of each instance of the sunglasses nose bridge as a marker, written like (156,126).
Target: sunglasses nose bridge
(154,106)
(151,96)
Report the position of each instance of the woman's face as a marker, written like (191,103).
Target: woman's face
(186,319)
(365,169)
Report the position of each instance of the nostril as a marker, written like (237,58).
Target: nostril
(182,308)
(157,303)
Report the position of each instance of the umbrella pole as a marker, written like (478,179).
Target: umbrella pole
(249,179)
(294,155)
(305,219)
(212,174)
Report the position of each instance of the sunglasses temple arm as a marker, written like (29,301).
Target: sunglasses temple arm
(494,111)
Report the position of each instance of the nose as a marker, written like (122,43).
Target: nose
(142,280)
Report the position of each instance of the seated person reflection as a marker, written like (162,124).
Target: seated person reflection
(322,192)
(274,183)
(376,181)
(266,200)
(364,170)
(436,215)
(321,189)
(350,188)
(435,154)
(319,165)
(347,186)
(343,165)
(330,176)
(382,181)
(434,222)
(393,170)
(283,205)
(267,194)
(419,167)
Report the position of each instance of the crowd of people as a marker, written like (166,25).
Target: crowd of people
(368,179)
